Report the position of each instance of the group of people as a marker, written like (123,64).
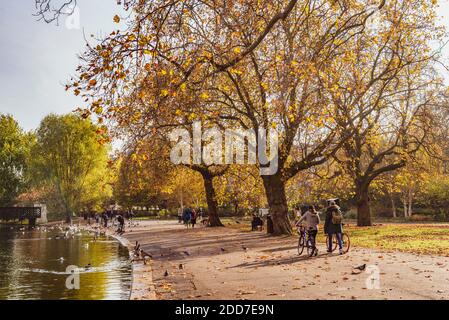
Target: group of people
(333,225)
(189,217)
(103,218)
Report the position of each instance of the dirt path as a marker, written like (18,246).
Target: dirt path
(270,268)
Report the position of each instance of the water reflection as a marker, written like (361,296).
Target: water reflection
(33,265)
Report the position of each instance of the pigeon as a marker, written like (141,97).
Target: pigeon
(166,273)
(244,248)
(222,249)
(238,222)
(186,253)
(361,267)
(181,266)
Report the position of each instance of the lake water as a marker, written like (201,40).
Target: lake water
(33,265)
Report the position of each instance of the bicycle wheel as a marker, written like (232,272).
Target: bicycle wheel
(345,239)
(346,243)
(334,242)
(310,249)
(300,245)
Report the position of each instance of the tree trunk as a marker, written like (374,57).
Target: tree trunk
(363,208)
(212,206)
(68,217)
(404,200)
(277,202)
(393,206)
(236,208)
(410,202)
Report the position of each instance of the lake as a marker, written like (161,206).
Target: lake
(33,265)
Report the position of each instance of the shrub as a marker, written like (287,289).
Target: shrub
(420,218)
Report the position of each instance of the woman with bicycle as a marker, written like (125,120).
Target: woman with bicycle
(312,220)
(333,226)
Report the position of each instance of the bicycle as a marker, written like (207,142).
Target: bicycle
(305,241)
(344,238)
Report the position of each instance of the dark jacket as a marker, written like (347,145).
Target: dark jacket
(187,215)
(329,227)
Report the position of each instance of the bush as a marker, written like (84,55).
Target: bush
(421,218)
(164,213)
(350,214)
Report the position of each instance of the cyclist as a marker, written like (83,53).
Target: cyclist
(312,220)
(333,225)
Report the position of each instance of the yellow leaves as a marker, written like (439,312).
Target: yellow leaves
(236,71)
(237,50)
(183,86)
(98,110)
(164,93)
(116,19)
(204,96)
(338,42)
(141,94)
(151,53)
(291,117)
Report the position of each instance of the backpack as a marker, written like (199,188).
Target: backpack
(337,216)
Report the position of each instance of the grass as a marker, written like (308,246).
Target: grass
(416,238)
(421,238)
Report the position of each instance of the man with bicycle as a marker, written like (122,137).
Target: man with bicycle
(334,225)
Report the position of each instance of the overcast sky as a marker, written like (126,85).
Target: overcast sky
(36,59)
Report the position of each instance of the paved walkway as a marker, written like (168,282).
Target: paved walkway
(211,263)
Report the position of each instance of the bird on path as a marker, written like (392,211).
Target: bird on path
(223,249)
(181,266)
(166,273)
(244,248)
(186,253)
(361,267)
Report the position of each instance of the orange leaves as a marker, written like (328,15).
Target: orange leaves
(116,19)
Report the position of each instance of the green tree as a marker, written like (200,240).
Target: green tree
(69,156)
(14,148)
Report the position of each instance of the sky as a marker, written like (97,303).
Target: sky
(37,59)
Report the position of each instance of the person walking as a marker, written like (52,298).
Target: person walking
(333,226)
(121,222)
(186,216)
(193,218)
(312,220)
(105,219)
